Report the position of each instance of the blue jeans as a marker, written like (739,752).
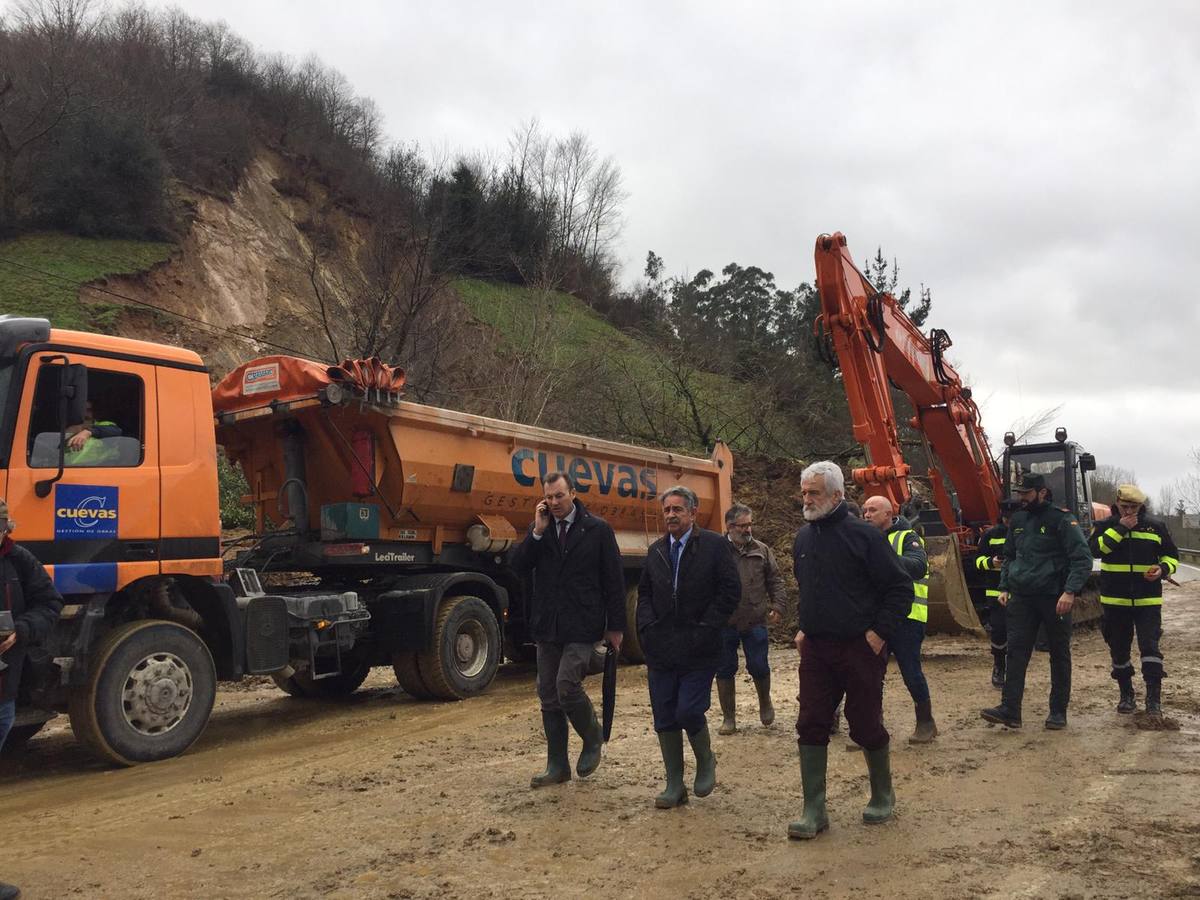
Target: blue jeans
(905,645)
(755,643)
(8,712)
(679,699)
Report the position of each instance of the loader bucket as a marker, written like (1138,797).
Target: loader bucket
(950,608)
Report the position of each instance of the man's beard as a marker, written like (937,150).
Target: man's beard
(822,509)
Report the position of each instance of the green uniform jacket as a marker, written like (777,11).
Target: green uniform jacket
(1045,553)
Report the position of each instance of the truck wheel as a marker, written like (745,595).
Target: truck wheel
(408,674)
(631,647)
(300,684)
(464,651)
(148,695)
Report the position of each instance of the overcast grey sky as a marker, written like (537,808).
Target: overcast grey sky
(1034,164)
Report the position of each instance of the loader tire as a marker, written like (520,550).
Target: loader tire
(464,650)
(149,692)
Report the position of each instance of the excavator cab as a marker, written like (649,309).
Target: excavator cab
(1065,465)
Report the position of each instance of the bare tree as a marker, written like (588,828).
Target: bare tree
(1106,479)
(1034,426)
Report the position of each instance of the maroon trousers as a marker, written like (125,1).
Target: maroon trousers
(831,667)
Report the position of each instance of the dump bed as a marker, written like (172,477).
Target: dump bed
(433,474)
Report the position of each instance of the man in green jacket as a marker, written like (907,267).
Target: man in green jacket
(1046,563)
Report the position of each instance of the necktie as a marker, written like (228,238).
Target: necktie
(562,531)
(676,549)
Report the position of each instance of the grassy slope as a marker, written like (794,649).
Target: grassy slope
(504,308)
(40,275)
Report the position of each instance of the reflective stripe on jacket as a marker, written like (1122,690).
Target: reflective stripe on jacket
(1126,554)
(909,546)
(991,544)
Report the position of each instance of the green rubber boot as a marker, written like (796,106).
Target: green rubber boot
(558,767)
(883,798)
(706,762)
(727,695)
(814,820)
(766,710)
(671,744)
(583,720)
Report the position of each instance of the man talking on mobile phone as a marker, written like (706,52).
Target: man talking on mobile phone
(578,598)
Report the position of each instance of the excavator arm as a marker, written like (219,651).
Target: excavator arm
(877,343)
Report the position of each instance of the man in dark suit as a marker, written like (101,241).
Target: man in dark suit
(690,587)
(578,598)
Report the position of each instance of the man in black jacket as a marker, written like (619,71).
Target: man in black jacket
(690,587)
(853,595)
(578,598)
(29,594)
(1136,553)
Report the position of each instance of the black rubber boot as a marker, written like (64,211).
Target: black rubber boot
(815,819)
(558,767)
(926,729)
(766,711)
(998,667)
(1001,715)
(1128,702)
(675,794)
(706,762)
(1154,696)
(883,798)
(1056,721)
(727,695)
(583,720)
(9,891)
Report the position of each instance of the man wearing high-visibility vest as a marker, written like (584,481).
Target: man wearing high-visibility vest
(1136,553)
(988,559)
(906,641)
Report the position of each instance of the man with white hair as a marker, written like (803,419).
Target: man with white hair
(853,596)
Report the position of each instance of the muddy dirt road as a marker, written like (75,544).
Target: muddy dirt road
(385,797)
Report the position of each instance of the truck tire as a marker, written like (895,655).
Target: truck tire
(149,692)
(408,675)
(346,682)
(464,651)
(631,647)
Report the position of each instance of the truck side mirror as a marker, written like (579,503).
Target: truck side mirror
(73,387)
(1087,462)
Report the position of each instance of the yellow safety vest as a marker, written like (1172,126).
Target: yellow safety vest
(920,606)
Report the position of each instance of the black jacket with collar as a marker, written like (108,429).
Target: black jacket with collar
(30,595)
(578,590)
(680,628)
(850,579)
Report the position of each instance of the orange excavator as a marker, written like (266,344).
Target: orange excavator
(865,333)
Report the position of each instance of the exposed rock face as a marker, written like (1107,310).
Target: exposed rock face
(244,265)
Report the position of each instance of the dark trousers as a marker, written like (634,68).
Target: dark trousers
(829,668)
(998,620)
(1118,626)
(8,712)
(754,642)
(1025,614)
(679,700)
(560,672)
(905,645)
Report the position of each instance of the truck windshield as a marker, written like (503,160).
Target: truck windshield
(1051,463)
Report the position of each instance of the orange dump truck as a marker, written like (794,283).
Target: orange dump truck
(383,530)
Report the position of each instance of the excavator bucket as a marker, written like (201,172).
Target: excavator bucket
(950,608)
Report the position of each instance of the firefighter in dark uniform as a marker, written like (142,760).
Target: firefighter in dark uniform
(1046,563)
(1136,553)
(988,560)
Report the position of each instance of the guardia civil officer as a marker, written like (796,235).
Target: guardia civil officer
(1046,563)
(1136,553)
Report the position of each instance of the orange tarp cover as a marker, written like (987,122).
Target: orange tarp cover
(285,378)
